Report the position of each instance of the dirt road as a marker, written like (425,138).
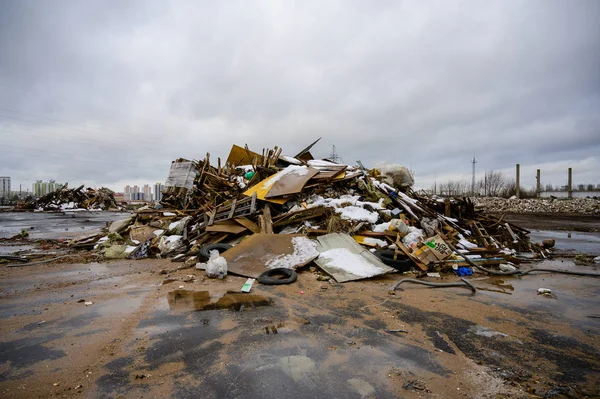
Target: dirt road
(142,338)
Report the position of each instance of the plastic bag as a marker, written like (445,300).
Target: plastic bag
(216,267)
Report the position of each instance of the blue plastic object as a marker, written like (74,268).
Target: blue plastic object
(464,271)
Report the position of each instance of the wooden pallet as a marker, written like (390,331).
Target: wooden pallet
(238,208)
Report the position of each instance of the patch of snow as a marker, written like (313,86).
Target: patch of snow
(380,228)
(241,181)
(305,250)
(289,159)
(375,241)
(358,214)
(343,259)
(169,214)
(462,242)
(245,168)
(320,162)
(292,169)
(289,230)
(158,233)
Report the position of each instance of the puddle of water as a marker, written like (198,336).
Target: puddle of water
(203,300)
(8,249)
(574,297)
(570,240)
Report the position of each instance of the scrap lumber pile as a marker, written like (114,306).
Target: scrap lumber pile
(76,198)
(267,210)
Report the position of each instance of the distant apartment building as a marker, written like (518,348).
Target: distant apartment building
(147,190)
(158,187)
(4,186)
(41,188)
(127,193)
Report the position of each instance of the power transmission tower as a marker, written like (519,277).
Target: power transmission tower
(473,177)
(334,157)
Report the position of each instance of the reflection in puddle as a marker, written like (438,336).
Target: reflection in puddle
(202,300)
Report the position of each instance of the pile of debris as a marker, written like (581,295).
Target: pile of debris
(268,211)
(586,206)
(67,199)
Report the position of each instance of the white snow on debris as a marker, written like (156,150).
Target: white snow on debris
(375,241)
(174,225)
(241,181)
(382,227)
(319,162)
(349,207)
(289,159)
(158,233)
(305,250)
(246,168)
(292,169)
(463,243)
(343,259)
(169,214)
(358,214)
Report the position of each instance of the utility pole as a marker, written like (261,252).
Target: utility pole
(518,193)
(473,177)
(570,185)
(538,188)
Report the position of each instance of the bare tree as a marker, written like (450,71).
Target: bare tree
(493,184)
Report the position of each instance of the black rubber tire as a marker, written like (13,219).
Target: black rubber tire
(205,250)
(402,263)
(270,276)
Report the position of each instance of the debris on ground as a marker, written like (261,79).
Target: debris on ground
(586,206)
(266,210)
(66,199)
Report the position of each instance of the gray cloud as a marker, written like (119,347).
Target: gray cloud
(129,86)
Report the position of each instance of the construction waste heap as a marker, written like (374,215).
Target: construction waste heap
(73,199)
(263,215)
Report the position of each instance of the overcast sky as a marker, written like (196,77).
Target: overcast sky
(109,92)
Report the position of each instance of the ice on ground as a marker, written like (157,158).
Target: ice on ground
(305,250)
(343,259)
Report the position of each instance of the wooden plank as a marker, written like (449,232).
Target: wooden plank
(228,226)
(249,224)
(267,219)
(232,211)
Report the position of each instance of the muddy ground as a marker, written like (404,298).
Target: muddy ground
(188,339)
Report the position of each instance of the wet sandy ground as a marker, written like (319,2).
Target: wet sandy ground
(140,338)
